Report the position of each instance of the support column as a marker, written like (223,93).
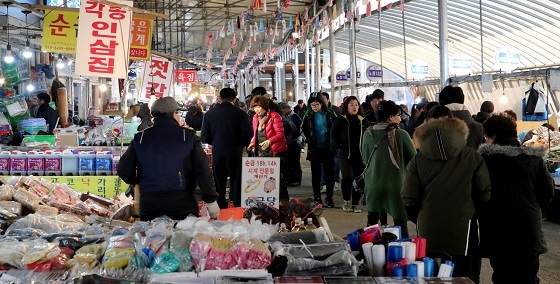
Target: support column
(281,84)
(318,67)
(273,80)
(312,71)
(295,76)
(352,53)
(332,53)
(443,40)
(307,71)
(247,84)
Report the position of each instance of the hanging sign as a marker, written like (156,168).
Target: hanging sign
(341,77)
(156,79)
(104,40)
(185,76)
(419,69)
(60,30)
(358,74)
(260,178)
(141,34)
(460,64)
(507,58)
(374,72)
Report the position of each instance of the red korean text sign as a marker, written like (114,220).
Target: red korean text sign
(141,38)
(185,76)
(157,78)
(103,39)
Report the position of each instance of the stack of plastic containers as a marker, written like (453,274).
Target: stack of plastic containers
(36,163)
(4,163)
(103,163)
(69,163)
(53,163)
(86,164)
(18,163)
(116,160)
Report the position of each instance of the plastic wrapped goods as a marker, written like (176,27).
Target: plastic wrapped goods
(120,251)
(40,252)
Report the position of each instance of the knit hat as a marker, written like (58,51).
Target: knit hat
(164,106)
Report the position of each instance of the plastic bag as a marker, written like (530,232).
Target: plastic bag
(340,263)
(11,253)
(308,237)
(40,253)
(155,240)
(166,263)
(120,251)
(26,198)
(252,254)
(6,192)
(200,246)
(220,257)
(315,251)
(48,224)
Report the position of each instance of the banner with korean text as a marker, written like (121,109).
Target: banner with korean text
(185,75)
(103,39)
(156,79)
(260,179)
(141,38)
(60,31)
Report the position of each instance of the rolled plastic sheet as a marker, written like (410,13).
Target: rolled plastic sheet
(394,252)
(412,270)
(398,271)
(428,267)
(368,256)
(419,268)
(354,241)
(378,259)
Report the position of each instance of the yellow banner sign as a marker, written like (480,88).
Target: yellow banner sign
(60,31)
(105,186)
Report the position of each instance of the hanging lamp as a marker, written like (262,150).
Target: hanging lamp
(9,58)
(27,53)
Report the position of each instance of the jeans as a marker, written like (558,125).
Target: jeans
(322,159)
(293,172)
(349,170)
(335,173)
(222,167)
(373,218)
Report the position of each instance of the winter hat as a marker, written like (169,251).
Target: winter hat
(164,106)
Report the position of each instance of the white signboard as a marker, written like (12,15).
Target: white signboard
(341,78)
(460,64)
(487,83)
(260,178)
(157,78)
(374,73)
(103,39)
(555,80)
(419,69)
(507,58)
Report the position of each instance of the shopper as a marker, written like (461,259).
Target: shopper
(228,130)
(300,108)
(386,170)
(45,111)
(268,139)
(454,99)
(293,173)
(443,185)
(486,110)
(521,189)
(145,117)
(326,97)
(167,162)
(194,117)
(316,127)
(337,111)
(374,99)
(346,136)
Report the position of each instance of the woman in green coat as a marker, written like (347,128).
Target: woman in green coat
(384,176)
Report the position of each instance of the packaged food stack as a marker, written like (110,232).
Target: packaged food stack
(32,125)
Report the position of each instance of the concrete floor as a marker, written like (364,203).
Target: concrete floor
(342,223)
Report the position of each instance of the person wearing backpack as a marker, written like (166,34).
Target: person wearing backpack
(268,138)
(292,124)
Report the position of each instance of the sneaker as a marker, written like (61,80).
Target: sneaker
(323,189)
(346,206)
(355,209)
(329,203)
(317,201)
(336,186)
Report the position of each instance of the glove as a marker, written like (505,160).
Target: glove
(213,209)
(264,145)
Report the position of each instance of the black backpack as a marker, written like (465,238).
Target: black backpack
(291,132)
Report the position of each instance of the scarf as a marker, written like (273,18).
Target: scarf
(262,121)
(391,143)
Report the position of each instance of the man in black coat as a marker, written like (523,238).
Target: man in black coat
(167,162)
(228,130)
(454,99)
(46,112)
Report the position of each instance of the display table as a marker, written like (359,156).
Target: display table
(105,186)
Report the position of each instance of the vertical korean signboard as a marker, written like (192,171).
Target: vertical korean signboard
(157,77)
(60,31)
(260,178)
(103,40)
(141,38)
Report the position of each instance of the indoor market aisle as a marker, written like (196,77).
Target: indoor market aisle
(342,223)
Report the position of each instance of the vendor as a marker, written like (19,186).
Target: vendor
(167,162)
(46,112)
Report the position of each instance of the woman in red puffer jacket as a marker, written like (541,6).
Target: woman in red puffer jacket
(268,139)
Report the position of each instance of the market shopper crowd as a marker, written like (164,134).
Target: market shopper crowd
(462,179)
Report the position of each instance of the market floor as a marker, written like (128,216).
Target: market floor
(342,223)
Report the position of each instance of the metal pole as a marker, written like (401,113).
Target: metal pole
(318,67)
(352,53)
(332,56)
(307,70)
(295,71)
(443,39)
(312,72)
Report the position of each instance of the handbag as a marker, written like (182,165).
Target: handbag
(359,183)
